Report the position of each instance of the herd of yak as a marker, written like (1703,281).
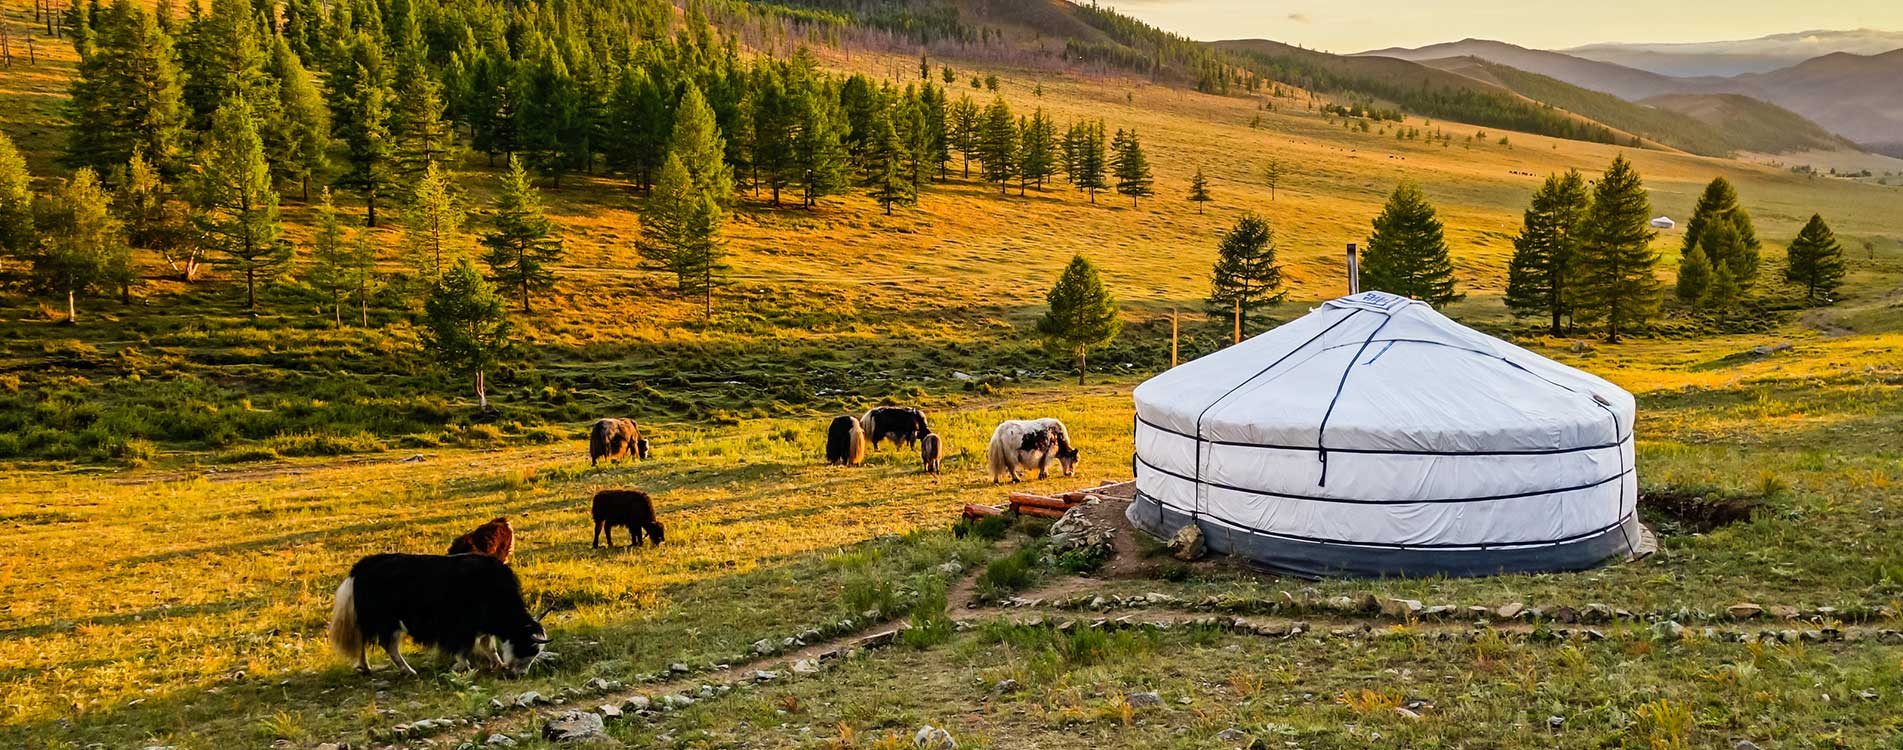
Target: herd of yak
(468,603)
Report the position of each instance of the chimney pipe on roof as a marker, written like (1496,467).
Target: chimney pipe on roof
(1354,271)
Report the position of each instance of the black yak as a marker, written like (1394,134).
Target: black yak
(931,451)
(902,425)
(454,603)
(615,439)
(1020,444)
(630,509)
(495,539)
(845,442)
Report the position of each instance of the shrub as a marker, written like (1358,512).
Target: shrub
(1009,574)
(988,528)
(931,624)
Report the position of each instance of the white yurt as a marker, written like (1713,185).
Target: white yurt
(1376,437)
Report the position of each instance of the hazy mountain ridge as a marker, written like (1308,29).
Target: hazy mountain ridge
(1850,95)
(1736,57)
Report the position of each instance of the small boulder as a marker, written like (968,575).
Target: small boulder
(636,704)
(575,726)
(1743,611)
(805,666)
(499,740)
(930,737)
(951,568)
(1784,611)
(1143,700)
(1004,686)
(1231,734)
(1187,544)
(1510,611)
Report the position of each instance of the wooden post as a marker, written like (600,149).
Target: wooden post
(1172,338)
(1238,318)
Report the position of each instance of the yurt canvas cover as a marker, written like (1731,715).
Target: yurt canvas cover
(1375,436)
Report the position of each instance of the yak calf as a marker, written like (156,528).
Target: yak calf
(630,509)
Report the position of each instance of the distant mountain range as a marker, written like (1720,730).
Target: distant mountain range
(1851,95)
(1761,55)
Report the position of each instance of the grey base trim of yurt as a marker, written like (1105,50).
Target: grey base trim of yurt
(1333,560)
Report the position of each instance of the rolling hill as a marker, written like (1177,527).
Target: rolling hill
(1618,80)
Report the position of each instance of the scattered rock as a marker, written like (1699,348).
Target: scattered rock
(1407,712)
(1231,734)
(1555,721)
(1868,695)
(764,647)
(575,726)
(762,675)
(1743,611)
(529,698)
(1745,745)
(1784,611)
(1510,611)
(678,668)
(328,746)
(1004,686)
(1143,700)
(951,568)
(414,458)
(961,376)
(636,704)
(499,740)
(1400,607)
(930,737)
(805,666)
(609,711)
(1187,544)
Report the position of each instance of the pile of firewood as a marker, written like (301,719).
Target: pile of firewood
(1040,506)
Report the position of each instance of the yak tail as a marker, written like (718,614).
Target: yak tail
(856,445)
(345,635)
(866,423)
(999,454)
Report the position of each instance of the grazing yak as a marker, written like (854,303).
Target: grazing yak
(903,425)
(495,539)
(615,439)
(456,604)
(932,452)
(1020,444)
(630,509)
(845,442)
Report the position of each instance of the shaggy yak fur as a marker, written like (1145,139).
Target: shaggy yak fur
(845,442)
(1021,444)
(615,439)
(458,604)
(931,450)
(630,509)
(903,425)
(495,539)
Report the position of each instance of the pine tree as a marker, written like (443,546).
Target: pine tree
(1539,275)
(697,142)
(1082,314)
(1272,175)
(237,209)
(775,118)
(433,225)
(156,219)
(937,123)
(330,257)
(225,62)
(1037,150)
(1815,261)
(817,152)
(1246,276)
(126,98)
(998,144)
(1724,291)
(638,126)
(885,162)
(523,248)
(962,131)
(301,138)
(1132,168)
(465,326)
(1720,240)
(1719,205)
(680,234)
(1199,190)
(83,250)
(16,203)
(1088,172)
(366,135)
(419,136)
(1694,277)
(1407,254)
(1617,281)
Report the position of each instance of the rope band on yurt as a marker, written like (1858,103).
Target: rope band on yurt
(1321,450)
(1620,477)
(1391,451)
(1195,502)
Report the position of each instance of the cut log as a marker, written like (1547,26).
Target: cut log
(1031,510)
(1046,499)
(973,510)
(1033,501)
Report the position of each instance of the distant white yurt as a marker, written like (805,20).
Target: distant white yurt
(1376,437)
(1663,222)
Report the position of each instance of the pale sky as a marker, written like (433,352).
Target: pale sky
(1357,25)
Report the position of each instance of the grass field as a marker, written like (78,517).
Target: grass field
(171,587)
